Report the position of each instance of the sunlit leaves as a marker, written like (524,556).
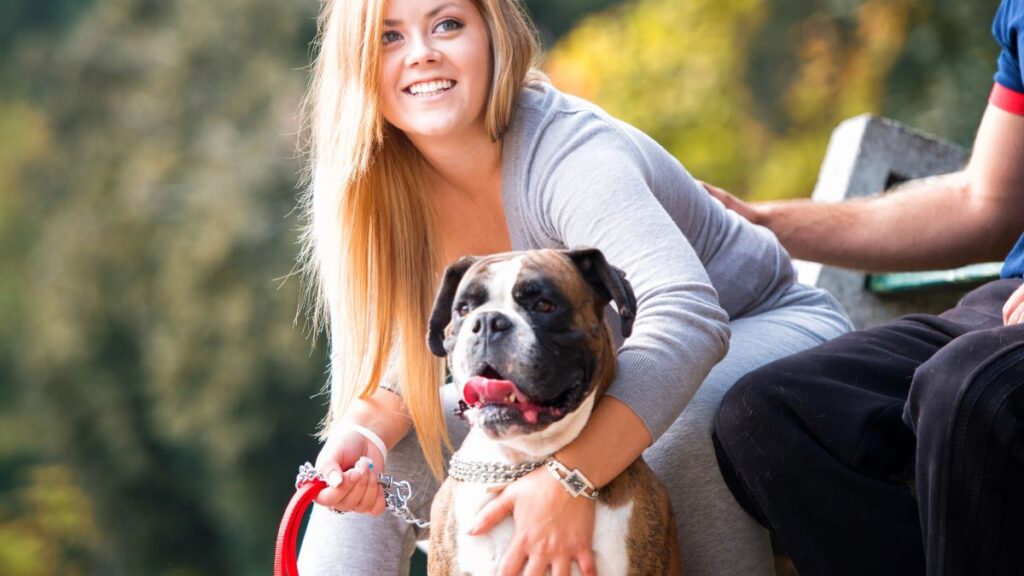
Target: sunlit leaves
(746,93)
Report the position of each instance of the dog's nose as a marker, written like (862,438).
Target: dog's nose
(491,324)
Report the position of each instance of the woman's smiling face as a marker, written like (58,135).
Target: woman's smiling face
(436,66)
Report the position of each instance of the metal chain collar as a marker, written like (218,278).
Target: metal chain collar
(396,493)
(489,472)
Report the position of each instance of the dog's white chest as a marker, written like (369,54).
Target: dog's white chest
(481,555)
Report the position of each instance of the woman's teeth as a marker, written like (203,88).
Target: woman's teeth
(430,88)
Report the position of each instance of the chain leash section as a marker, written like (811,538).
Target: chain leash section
(396,499)
(397,493)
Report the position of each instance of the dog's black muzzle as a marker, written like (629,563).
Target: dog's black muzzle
(548,369)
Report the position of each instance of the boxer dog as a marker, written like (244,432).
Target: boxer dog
(527,345)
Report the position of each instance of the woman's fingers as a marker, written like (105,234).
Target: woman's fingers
(350,465)
(513,561)
(379,504)
(336,490)
(516,562)
(359,480)
(342,451)
(358,491)
(585,560)
(492,513)
(561,567)
(373,493)
(538,565)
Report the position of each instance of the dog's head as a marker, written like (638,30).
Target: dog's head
(525,336)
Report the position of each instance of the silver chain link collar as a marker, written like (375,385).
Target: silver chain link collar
(489,472)
(396,493)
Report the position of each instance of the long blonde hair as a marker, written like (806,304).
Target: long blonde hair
(368,244)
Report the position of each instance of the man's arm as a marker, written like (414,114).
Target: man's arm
(953,220)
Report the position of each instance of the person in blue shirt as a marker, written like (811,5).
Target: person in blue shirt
(900,449)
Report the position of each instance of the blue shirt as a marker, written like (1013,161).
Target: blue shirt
(1007,31)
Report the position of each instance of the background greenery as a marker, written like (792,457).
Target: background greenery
(156,393)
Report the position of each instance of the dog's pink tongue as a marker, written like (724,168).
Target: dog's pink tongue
(481,390)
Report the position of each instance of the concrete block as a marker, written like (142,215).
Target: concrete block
(867,155)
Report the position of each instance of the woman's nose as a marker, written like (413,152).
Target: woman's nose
(422,51)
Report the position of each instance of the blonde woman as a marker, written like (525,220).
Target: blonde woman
(432,137)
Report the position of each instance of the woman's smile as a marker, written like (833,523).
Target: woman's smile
(426,89)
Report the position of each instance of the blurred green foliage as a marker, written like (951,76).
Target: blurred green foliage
(746,93)
(149,178)
(155,392)
(554,19)
(19,18)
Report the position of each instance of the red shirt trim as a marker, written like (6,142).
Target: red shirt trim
(1006,99)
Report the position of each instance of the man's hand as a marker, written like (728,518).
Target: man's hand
(1013,310)
(552,528)
(749,211)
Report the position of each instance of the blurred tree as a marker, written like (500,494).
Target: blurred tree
(746,93)
(163,360)
(24,140)
(29,545)
(21,18)
(672,70)
(554,19)
(48,527)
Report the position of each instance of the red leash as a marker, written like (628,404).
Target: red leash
(308,484)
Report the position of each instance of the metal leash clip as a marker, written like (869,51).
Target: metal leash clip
(397,493)
(396,499)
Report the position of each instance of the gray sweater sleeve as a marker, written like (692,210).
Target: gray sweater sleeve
(590,186)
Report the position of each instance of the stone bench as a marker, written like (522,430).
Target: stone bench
(867,155)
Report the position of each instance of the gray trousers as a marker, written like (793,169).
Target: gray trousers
(716,537)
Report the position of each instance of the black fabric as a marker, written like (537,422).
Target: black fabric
(826,447)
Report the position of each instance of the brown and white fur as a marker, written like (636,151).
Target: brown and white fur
(536,319)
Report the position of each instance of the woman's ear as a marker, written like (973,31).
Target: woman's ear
(442,312)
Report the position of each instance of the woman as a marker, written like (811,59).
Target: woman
(434,137)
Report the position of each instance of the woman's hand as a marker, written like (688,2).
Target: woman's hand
(1013,310)
(552,528)
(351,464)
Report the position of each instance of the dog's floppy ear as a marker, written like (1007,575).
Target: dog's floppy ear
(609,281)
(442,313)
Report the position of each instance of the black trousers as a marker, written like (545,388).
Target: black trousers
(893,450)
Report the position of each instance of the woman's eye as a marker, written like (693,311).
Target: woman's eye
(448,25)
(544,306)
(390,36)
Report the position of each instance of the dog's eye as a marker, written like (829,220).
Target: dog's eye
(544,306)
(462,309)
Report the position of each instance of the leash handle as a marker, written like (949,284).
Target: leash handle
(285,555)
(308,484)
